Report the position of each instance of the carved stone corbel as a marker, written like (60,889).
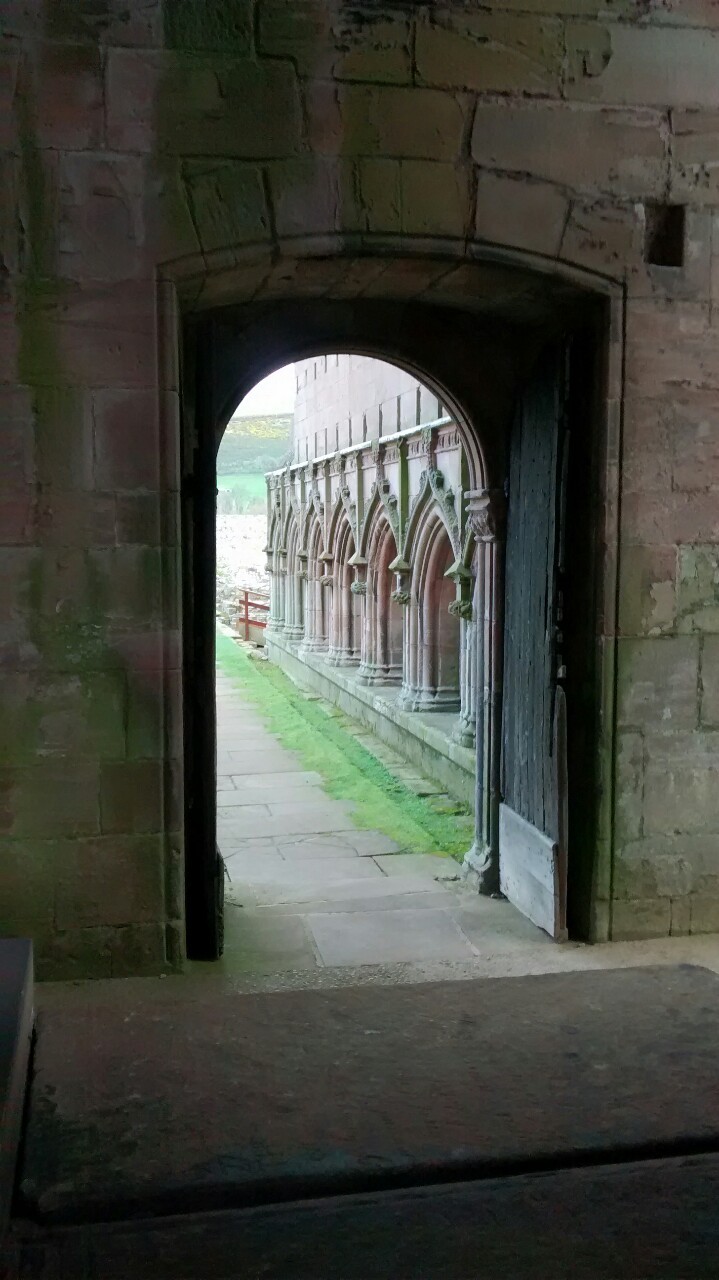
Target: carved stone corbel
(377,455)
(460,609)
(360,566)
(486,514)
(401,571)
(428,439)
(316,502)
(350,507)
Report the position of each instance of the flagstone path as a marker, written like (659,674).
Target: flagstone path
(306,889)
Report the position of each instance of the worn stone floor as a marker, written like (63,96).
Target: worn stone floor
(306,889)
(210,1127)
(533,1127)
(313,902)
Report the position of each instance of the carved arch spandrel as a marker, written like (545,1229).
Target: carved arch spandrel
(433,496)
(344,509)
(382,499)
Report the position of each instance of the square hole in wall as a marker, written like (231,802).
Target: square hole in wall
(664,235)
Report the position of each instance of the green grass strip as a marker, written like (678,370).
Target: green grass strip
(350,772)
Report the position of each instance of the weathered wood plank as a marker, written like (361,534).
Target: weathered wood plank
(530,768)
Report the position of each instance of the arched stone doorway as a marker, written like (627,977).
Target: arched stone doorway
(433,632)
(345,618)
(506,313)
(316,611)
(383,629)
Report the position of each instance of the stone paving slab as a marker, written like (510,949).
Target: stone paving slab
(250,868)
(264,760)
(268,944)
(308,822)
(386,937)
(485,919)
(257,845)
(224,777)
(283,879)
(371,844)
(145,1103)
(420,864)
(292,796)
(227,817)
(335,847)
(273,781)
(341,898)
(343,887)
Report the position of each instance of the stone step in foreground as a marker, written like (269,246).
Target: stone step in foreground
(146,1104)
(654,1220)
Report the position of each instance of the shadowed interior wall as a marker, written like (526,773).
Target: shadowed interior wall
(156,161)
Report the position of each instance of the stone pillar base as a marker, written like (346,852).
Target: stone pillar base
(464,735)
(378,675)
(313,646)
(418,700)
(342,658)
(481,870)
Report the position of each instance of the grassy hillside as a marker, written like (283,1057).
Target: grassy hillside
(241,494)
(253,445)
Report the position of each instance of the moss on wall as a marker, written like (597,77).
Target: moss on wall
(76,19)
(224,25)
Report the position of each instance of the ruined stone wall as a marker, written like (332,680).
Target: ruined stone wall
(345,399)
(141,147)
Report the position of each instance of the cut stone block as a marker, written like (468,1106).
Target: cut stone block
(387,937)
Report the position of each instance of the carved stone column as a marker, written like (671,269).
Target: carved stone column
(315,637)
(273,615)
(464,732)
(464,608)
(295,633)
(486,518)
(282,595)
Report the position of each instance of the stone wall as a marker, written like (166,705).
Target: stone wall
(345,399)
(154,163)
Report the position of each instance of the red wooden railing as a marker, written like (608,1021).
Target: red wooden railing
(258,602)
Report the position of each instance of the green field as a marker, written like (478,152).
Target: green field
(250,486)
(240,494)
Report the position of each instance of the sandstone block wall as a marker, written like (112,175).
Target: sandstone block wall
(344,399)
(227,143)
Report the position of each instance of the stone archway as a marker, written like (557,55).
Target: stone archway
(316,609)
(384,615)
(345,617)
(504,312)
(294,584)
(432,676)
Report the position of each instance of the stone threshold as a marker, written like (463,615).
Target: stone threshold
(423,738)
(133,1111)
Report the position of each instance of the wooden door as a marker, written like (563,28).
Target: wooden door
(532,821)
(204,869)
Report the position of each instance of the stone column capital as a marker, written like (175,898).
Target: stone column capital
(486,514)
